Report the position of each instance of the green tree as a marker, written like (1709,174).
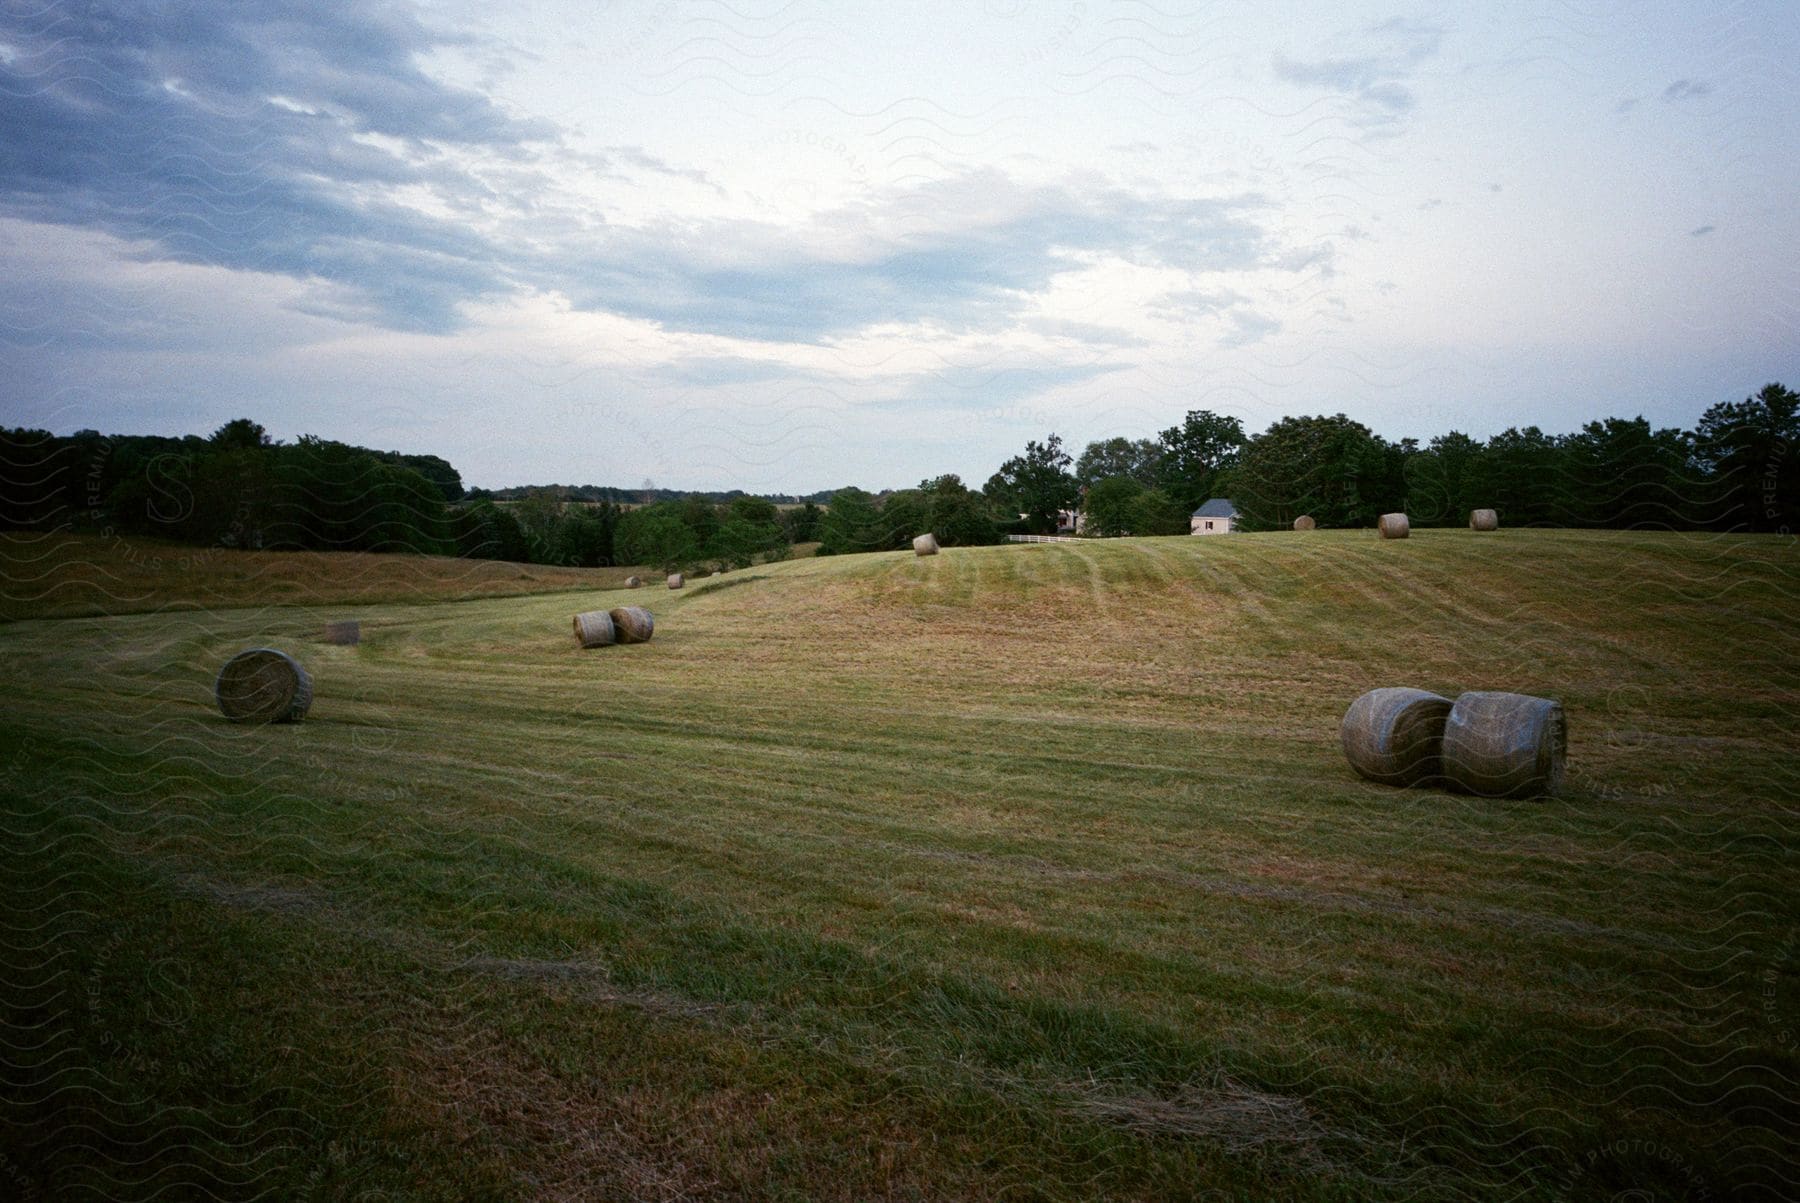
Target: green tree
(1750,452)
(802,523)
(584,537)
(1195,455)
(1036,484)
(656,535)
(1139,459)
(701,516)
(1622,473)
(485,531)
(1333,468)
(1520,475)
(904,515)
(240,434)
(1112,506)
(1440,480)
(1154,512)
(749,532)
(956,514)
(850,524)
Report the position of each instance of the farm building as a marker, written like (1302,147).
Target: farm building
(1216,517)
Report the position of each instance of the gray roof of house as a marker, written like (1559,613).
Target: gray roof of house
(1218,507)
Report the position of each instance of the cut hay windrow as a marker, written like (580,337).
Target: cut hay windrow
(263,685)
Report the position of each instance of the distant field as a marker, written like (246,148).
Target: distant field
(61,576)
(1027,872)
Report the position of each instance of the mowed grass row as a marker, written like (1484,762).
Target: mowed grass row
(62,575)
(1028,871)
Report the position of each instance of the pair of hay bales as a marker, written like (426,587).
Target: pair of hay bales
(1396,526)
(1498,745)
(925,545)
(624,624)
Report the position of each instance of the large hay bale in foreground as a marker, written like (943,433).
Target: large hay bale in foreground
(1505,745)
(343,633)
(1395,526)
(1394,736)
(1304,522)
(633,582)
(263,685)
(925,545)
(1484,520)
(675,580)
(634,624)
(595,629)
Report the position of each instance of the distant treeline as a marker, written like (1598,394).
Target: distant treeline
(1737,469)
(239,488)
(647,495)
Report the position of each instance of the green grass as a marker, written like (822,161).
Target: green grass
(1022,872)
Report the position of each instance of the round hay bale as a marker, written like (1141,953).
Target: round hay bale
(925,545)
(263,685)
(1394,736)
(1395,526)
(1304,522)
(595,629)
(1505,745)
(343,633)
(634,624)
(675,581)
(633,582)
(1484,520)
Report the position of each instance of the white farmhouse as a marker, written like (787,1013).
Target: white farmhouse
(1216,517)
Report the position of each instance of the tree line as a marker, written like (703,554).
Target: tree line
(240,488)
(1738,468)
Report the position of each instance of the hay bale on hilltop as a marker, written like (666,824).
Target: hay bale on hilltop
(343,633)
(925,545)
(1505,745)
(1395,736)
(633,582)
(595,629)
(1304,522)
(676,581)
(1395,526)
(263,685)
(1484,520)
(634,624)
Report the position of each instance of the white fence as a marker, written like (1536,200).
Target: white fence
(1043,539)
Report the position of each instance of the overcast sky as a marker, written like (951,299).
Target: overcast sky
(788,246)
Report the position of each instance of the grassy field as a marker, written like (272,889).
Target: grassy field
(66,576)
(1020,872)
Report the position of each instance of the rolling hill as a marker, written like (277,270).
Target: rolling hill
(1026,872)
